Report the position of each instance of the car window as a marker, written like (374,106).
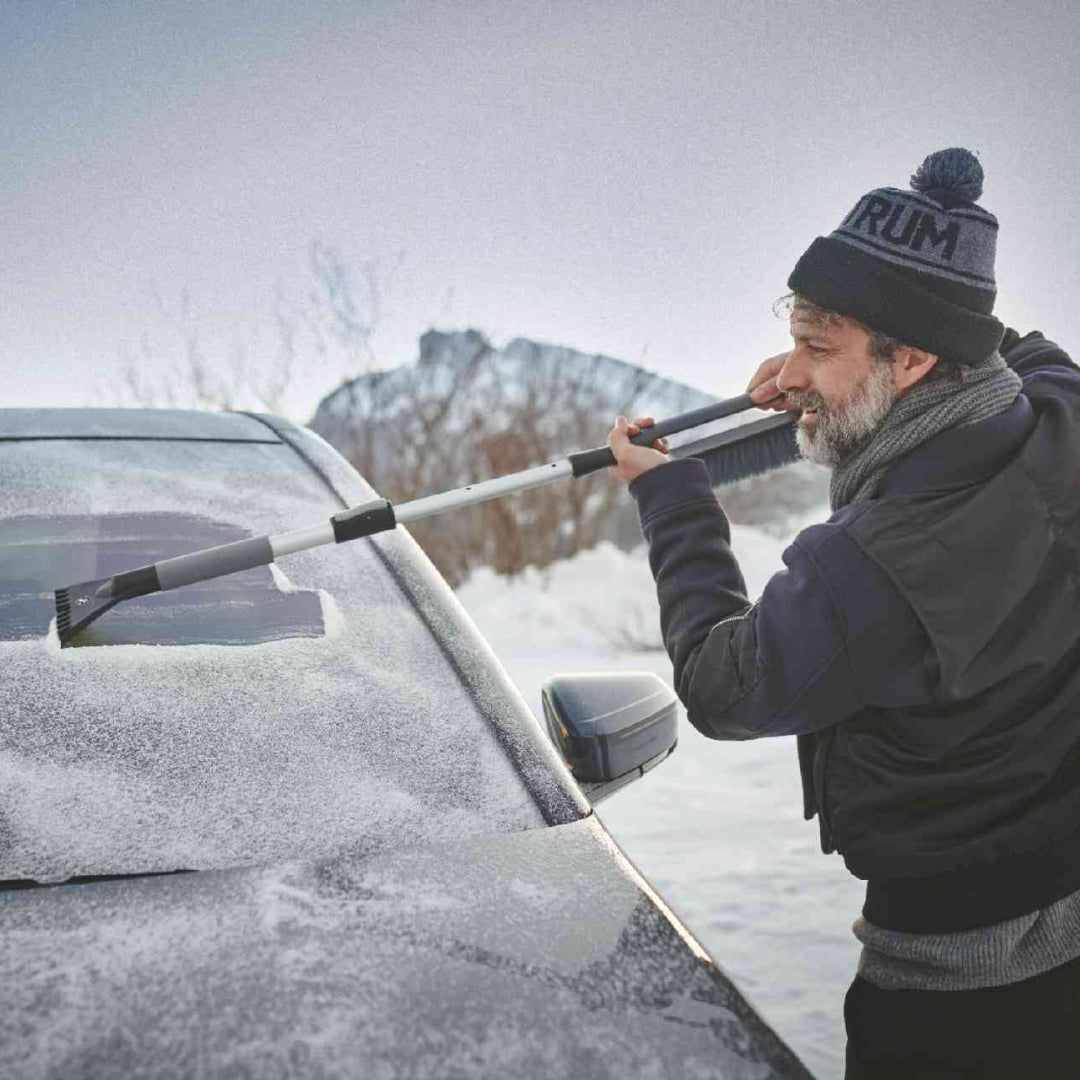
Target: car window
(287,713)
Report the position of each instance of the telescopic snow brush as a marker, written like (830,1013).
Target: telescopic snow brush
(734,454)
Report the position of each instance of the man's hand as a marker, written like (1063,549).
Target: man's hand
(763,386)
(634,460)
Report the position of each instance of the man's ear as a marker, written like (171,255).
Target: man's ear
(912,365)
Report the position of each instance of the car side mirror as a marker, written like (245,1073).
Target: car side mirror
(611,727)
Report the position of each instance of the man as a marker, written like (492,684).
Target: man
(924,642)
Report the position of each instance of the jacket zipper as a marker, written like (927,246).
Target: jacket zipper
(735,618)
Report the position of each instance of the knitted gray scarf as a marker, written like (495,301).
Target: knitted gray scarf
(927,409)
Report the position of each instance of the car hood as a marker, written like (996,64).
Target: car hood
(542,953)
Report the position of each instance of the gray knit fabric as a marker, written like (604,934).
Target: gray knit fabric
(972,959)
(927,409)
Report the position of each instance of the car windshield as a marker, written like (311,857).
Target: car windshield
(281,713)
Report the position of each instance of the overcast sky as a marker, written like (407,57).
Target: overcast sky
(632,178)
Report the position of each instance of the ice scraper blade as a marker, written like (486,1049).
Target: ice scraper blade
(79,605)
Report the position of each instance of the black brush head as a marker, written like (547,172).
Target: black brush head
(747,450)
(78,606)
(758,454)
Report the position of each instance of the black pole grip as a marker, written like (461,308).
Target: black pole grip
(590,461)
(694,418)
(363,520)
(139,582)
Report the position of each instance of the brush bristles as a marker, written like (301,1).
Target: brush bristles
(749,450)
(753,456)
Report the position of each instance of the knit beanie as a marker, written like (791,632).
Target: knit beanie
(915,265)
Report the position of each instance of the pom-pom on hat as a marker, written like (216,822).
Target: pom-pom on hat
(917,265)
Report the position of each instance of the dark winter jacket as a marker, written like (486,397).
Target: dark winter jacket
(925,648)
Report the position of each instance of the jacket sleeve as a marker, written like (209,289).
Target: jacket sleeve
(805,656)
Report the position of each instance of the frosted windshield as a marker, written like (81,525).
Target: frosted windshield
(346,726)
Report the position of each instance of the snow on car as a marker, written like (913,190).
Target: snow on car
(297,821)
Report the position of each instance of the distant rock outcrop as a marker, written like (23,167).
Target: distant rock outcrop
(460,370)
(466,410)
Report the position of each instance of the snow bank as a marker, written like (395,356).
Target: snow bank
(601,600)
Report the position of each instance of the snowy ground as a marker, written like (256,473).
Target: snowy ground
(718,827)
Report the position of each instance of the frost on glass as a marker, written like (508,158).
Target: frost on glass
(138,757)
(40,553)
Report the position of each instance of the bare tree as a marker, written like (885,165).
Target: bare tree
(465,411)
(462,412)
(326,336)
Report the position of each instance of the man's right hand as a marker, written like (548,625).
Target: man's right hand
(763,386)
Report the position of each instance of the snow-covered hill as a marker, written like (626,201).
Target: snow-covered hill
(462,369)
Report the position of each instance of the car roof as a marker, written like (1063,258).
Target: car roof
(186,425)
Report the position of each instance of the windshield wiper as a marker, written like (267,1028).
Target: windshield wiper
(13,884)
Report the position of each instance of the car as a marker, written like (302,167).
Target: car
(297,821)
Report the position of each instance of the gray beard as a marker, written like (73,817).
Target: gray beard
(841,429)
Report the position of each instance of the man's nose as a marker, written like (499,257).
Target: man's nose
(794,375)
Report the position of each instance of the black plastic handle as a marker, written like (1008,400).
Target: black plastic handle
(601,457)
(363,520)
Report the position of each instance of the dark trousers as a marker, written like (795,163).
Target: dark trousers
(1030,1029)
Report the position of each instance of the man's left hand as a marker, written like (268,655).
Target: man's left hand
(633,460)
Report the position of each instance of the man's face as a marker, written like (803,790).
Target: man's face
(844,392)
